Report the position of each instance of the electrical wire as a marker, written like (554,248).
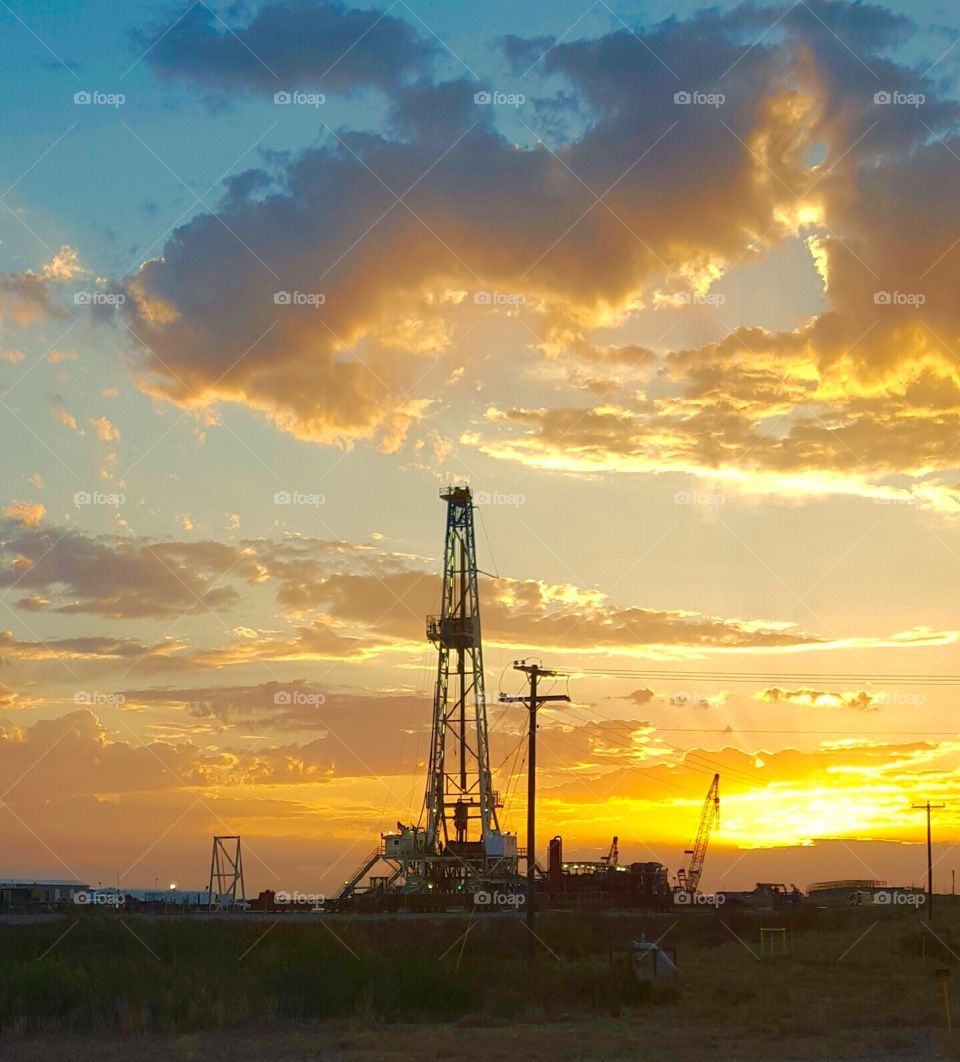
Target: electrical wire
(817,732)
(626,729)
(486,538)
(634,767)
(507,803)
(676,674)
(712,768)
(514,751)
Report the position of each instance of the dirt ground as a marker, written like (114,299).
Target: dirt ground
(594,1040)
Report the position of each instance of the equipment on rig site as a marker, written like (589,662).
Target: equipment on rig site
(612,858)
(601,884)
(456,855)
(457,846)
(688,880)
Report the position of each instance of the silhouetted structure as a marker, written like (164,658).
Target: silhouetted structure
(457,845)
(226,874)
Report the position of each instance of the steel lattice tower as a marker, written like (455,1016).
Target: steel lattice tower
(226,874)
(460,848)
(460,804)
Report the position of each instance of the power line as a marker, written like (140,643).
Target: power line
(686,762)
(827,733)
(616,725)
(632,766)
(675,674)
(699,762)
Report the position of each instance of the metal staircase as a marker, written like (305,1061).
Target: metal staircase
(350,886)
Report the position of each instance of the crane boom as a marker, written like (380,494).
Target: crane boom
(689,879)
(612,858)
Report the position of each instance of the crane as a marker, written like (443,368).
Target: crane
(689,879)
(612,858)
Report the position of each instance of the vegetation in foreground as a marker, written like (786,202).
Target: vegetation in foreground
(110,975)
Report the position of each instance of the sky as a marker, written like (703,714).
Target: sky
(671,287)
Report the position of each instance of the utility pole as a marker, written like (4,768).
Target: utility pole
(535,700)
(920,807)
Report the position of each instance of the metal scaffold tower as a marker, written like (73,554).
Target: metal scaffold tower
(226,874)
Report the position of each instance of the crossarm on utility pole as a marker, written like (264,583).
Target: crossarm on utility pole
(928,807)
(534,701)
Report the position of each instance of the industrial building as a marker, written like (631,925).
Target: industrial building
(23,894)
(605,883)
(862,892)
(18,895)
(766,895)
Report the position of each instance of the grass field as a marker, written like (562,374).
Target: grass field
(855,983)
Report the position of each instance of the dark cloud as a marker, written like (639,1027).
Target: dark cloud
(26,297)
(798,149)
(476,211)
(348,601)
(531,614)
(870,387)
(327,47)
(318,640)
(87,647)
(351,734)
(336,601)
(119,577)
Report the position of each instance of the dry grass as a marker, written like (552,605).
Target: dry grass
(854,985)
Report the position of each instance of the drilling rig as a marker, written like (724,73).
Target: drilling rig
(688,880)
(457,845)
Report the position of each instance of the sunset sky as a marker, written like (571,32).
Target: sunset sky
(674,289)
